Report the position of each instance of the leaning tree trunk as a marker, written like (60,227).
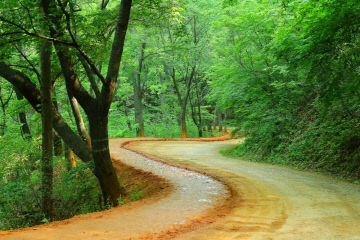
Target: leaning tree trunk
(47,138)
(100,147)
(80,125)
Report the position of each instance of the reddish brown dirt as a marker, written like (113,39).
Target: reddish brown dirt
(135,180)
(173,204)
(152,189)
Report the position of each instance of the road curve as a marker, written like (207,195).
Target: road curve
(270,202)
(192,200)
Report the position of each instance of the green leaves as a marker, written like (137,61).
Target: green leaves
(289,72)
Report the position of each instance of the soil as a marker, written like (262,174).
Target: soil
(174,200)
(192,192)
(269,202)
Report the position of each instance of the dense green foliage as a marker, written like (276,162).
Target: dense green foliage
(292,71)
(75,191)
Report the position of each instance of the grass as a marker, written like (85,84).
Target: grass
(281,160)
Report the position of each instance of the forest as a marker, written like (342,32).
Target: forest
(283,74)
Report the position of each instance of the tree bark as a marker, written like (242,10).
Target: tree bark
(47,138)
(80,125)
(183,121)
(183,100)
(196,108)
(70,158)
(104,170)
(97,109)
(139,118)
(163,104)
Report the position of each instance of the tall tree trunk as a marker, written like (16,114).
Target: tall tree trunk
(163,105)
(183,121)
(183,100)
(24,128)
(139,119)
(104,170)
(197,121)
(96,109)
(47,138)
(225,118)
(200,126)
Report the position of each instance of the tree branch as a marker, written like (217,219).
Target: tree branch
(29,62)
(76,45)
(29,15)
(35,34)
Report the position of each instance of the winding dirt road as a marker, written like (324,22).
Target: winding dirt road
(270,202)
(215,197)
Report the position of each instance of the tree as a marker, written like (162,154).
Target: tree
(96,108)
(138,92)
(47,133)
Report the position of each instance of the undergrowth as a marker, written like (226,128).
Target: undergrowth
(75,191)
(317,143)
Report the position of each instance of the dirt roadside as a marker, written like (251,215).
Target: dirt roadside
(177,200)
(270,202)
